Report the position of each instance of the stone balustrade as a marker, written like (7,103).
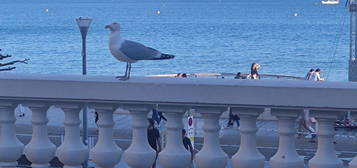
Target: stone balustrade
(174,96)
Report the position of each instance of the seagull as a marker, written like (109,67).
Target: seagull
(130,51)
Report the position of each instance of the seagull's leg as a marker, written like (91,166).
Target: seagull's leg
(129,70)
(126,70)
(125,77)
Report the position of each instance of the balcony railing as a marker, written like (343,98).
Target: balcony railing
(209,97)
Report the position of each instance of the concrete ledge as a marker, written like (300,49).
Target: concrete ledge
(190,91)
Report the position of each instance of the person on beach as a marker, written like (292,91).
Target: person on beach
(157,116)
(239,76)
(187,143)
(254,71)
(182,75)
(232,118)
(308,75)
(154,138)
(316,76)
(306,122)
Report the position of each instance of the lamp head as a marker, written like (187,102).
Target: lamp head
(83,22)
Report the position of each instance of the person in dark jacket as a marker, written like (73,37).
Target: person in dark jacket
(154,138)
(232,118)
(187,143)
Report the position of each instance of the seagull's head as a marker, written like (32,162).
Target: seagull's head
(113,27)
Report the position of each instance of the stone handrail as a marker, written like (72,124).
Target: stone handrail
(209,97)
(269,93)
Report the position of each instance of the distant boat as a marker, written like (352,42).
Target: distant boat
(330,2)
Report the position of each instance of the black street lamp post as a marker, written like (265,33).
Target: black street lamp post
(83,24)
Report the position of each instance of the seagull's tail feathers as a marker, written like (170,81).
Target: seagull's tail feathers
(165,56)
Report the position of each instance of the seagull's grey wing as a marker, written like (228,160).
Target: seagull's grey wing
(137,51)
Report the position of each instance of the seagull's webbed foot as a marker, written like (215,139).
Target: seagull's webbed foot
(123,78)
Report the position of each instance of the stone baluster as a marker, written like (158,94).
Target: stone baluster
(325,156)
(72,152)
(248,155)
(139,154)
(106,153)
(211,155)
(286,156)
(353,163)
(40,150)
(10,147)
(174,154)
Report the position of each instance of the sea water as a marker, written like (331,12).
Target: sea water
(286,37)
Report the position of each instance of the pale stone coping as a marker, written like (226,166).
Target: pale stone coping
(190,81)
(186,91)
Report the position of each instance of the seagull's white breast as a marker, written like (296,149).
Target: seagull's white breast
(115,42)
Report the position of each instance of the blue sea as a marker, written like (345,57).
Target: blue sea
(225,36)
